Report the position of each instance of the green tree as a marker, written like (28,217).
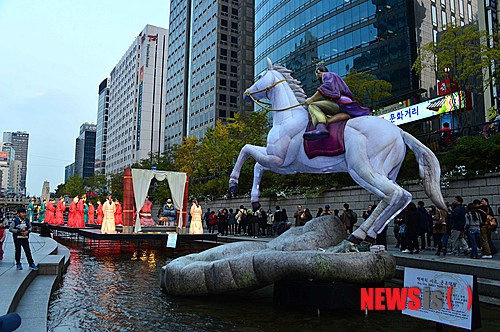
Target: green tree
(476,153)
(185,156)
(464,52)
(367,89)
(116,185)
(59,190)
(74,186)
(162,162)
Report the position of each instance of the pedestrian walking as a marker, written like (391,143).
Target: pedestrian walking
(487,247)
(412,229)
(456,217)
(3,235)
(472,222)
(439,229)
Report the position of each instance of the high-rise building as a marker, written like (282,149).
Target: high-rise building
(137,101)
(85,151)
(210,65)
(69,171)
(381,37)
(102,127)
(9,169)
(19,141)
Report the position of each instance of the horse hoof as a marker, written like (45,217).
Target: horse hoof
(344,247)
(255,206)
(233,189)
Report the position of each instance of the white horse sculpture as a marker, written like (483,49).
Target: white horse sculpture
(374,152)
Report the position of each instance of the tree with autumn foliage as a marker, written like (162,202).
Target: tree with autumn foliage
(463,52)
(367,89)
(210,160)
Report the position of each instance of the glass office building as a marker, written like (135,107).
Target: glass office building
(373,35)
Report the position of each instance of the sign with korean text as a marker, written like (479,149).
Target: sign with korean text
(172,240)
(447,298)
(410,113)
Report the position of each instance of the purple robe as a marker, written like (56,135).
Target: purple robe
(334,87)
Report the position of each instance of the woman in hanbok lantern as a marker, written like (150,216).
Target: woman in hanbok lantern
(91,211)
(99,213)
(61,206)
(49,212)
(145,214)
(85,213)
(80,209)
(41,211)
(196,226)
(108,221)
(31,211)
(73,215)
(118,213)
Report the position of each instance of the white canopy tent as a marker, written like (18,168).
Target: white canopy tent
(141,179)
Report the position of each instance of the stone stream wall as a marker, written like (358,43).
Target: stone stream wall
(358,198)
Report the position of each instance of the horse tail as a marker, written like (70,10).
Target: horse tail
(429,169)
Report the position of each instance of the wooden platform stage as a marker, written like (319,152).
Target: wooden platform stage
(92,236)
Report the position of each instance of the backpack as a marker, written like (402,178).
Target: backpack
(244,216)
(491,223)
(354,217)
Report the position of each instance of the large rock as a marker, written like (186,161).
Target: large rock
(252,265)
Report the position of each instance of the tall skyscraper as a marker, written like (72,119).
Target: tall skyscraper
(102,127)
(137,101)
(69,171)
(210,65)
(19,141)
(85,151)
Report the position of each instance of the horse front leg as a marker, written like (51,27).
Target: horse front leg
(258,171)
(259,153)
(235,174)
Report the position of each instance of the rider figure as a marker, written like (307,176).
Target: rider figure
(338,104)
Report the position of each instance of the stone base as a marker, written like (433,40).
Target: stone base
(298,293)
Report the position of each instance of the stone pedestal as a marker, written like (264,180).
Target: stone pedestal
(299,292)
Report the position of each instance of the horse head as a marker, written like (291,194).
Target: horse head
(277,85)
(264,83)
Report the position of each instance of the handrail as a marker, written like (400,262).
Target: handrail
(434,140)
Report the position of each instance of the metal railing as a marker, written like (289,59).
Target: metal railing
(438,142)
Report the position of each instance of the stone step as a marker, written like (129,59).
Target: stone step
(19,281)
(34,304)
(14,284)
(62,250)
(52,265)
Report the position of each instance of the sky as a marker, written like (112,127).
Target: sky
(53,56)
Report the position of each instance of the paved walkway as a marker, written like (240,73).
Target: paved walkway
(27,292)
(8,262)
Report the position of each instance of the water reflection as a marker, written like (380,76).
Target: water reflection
(106,289)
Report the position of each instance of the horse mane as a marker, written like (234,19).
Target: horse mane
(294,84)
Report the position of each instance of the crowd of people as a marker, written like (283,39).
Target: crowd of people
(465,229)
(246,222)
(462,230)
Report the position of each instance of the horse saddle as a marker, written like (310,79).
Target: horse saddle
(333,145)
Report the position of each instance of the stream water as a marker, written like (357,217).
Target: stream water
(107,289)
